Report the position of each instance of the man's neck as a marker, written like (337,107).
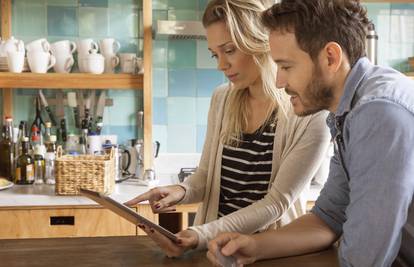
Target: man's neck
(339,87)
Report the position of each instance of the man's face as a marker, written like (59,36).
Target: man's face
(302,79)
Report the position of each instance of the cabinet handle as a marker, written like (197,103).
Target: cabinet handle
(62,220)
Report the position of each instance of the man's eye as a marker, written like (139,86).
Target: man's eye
(213,55)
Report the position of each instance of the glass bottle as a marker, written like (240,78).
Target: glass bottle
(6,150)
(50,160)
(24,167)
(39,165)
(48,131)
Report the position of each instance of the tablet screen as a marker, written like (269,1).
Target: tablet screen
(125,212)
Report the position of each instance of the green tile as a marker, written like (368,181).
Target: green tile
(29,18)
(159,53)
(123,21)
(181,139)
(160,4)
(182,15)
(160,134)
(183,4)
(73,3)
(182,54)
(128,3)
(93,22)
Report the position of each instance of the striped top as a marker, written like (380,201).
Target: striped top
(246,170)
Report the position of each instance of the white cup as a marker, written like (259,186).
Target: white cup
(38,45)
(110,63)
(64,63)
(109,46)
(15,61)
(94,144)
(63,47)
(40,62)
(85,45)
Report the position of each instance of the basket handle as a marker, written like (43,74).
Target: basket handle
(59,152)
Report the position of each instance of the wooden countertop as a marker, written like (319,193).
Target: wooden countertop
(123,251)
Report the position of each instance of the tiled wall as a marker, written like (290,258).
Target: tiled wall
(395,29)
(184,75)
(184,78)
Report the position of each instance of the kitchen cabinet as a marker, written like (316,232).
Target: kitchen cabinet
(8,81)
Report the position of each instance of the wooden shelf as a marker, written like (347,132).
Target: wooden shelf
(70,80)
(387,1)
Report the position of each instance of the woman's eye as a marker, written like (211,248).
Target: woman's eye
(285,68)
(229,51)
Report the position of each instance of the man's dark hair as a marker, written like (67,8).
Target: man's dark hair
(317,22)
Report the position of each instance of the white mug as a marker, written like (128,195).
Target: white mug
(109,46)
(110,63)
(38,45)
(40,62)
(64,47)
(85,45)
(64,63)
(15,61)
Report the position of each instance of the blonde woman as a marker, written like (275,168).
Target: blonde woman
(258,157)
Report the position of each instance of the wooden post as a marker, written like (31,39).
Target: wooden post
(5,34)
(147,20)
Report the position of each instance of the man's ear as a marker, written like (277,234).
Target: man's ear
(331,56)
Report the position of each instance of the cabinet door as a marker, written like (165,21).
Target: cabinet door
(43,223)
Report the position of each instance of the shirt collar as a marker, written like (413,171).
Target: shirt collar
(355,77)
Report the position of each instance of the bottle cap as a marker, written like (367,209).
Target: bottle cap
(53,138)
(48,124)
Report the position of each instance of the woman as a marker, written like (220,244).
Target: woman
(258,156)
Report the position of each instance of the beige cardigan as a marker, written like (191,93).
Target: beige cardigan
(300,145)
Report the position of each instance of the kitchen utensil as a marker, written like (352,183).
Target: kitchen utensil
(372,44)
(60,114)
(47,108)
(91,109)
(99,112)
(40,62)
(120,167)
(38,121)
(85,119)
(41,45)
(72,103)
(81,107)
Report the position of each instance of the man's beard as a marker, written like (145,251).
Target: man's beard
(318,96)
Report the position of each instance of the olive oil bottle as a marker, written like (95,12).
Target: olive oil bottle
(24,166)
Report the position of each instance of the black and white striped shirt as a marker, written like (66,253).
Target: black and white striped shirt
(246,170)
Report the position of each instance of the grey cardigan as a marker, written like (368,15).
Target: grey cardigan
(299,147)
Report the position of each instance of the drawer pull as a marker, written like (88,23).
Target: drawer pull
(62,220)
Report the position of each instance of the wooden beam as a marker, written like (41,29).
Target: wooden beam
(147,20)
(6,12)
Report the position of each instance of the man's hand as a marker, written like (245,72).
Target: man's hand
(241,247)
(161,199)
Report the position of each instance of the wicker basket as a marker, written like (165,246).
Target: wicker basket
(92,172)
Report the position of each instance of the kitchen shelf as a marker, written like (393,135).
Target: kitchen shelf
(387,1)
(70,80)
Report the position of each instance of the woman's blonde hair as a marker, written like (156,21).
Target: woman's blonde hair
(242,18)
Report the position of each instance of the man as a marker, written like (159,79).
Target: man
(367,202)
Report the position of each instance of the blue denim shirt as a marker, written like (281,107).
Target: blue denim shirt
(368,197)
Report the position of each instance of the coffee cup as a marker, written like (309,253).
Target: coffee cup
(64,63)
(110,63)
(15,61)
(40,62)
(130,63)
(85,45)
(38,45)
(109,46)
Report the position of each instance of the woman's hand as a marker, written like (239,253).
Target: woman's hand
(161,199)
(187,240)
(241,247)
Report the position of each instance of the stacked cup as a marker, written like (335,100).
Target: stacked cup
(39,57)
(84,47)
(14,50)
(63,51)
(109,48)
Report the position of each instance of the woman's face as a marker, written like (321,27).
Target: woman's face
(239,67)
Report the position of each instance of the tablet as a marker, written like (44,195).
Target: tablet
(125,212)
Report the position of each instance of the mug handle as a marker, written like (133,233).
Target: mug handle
(115,61)
(52,61)
(45,46)
(117,46)
(74,47)
(69,63)
(128,161)
(94,45)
